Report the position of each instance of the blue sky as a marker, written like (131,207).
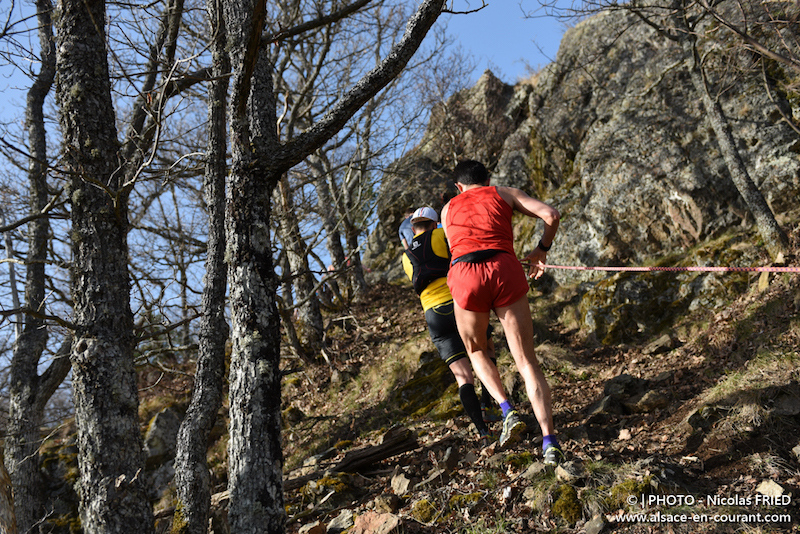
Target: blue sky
(502,39)
(498,36)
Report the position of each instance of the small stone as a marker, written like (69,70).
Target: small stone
(787,404)
(341,522)
(388,503)
(624,385)
(665,376)
(312,528)
(530,493)
(661,345)
(570,472)
(160,442)
(770,488)
(595,525)
(647,402)
(534,470)
(605,406)
(375,523)
(317,458)
(400,484)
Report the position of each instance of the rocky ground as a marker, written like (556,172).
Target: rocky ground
(697,428)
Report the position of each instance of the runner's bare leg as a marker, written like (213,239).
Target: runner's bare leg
(462,370)
(472,327)
(518,326)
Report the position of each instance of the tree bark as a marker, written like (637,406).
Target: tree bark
(352,231)
(110,459)
(27,394)
(8,521)
(191,468)
(255,461)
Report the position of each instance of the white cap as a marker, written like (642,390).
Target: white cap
(425,213)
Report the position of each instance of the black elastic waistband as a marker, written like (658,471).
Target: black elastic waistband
(477,256)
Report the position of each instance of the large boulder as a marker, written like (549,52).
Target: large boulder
(478,121)
(624,149)
(614,135)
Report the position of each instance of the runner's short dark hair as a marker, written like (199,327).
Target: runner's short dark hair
(470,172)
(423,225)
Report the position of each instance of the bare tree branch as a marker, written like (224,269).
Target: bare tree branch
(315,23)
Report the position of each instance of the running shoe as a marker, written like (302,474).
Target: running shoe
(491,415)
(553,456)
(513,426)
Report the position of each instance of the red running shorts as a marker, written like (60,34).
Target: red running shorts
(492,283)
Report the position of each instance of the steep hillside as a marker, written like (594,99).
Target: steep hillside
(676,394)
(696,424)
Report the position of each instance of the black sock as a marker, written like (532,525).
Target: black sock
(486,397)
(473,407)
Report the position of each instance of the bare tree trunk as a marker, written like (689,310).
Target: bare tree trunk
(333,234)
(8,521)
(28,392)
(309,314)
(285,307)
(191,468)
(255,458)
(774,238)
(351,231)
(12,281)
(112,493)
(258,162)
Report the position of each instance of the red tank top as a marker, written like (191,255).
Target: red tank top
(479,219)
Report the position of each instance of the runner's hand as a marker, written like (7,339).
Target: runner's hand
(535,261)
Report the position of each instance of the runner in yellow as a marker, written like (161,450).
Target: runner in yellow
(426,262)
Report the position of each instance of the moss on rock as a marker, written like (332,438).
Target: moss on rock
(424,391)
(567,505)
(467,501)
(519,460)
(618,495)
(637,305)
(423,511)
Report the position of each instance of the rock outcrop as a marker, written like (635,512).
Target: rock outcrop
(614,135)
(478,121)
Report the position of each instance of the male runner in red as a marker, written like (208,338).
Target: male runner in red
(486,275)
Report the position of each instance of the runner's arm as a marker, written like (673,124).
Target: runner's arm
(523,203)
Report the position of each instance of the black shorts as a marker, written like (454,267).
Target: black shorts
(442,326)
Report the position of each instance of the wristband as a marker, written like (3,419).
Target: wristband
(544,248)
